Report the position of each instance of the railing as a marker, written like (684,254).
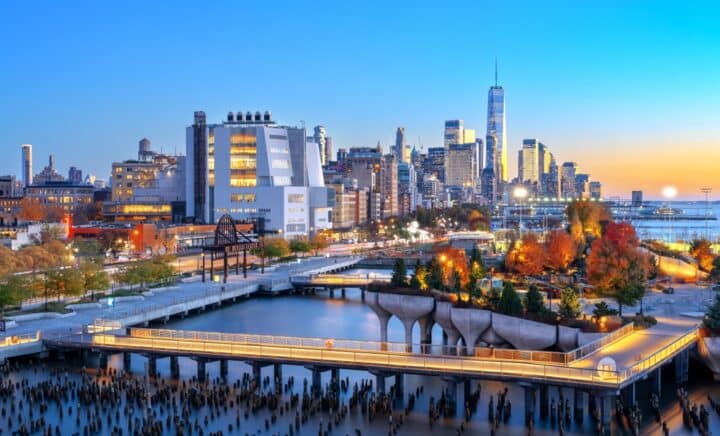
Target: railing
(661,355)
(599,343)
(356,357)
(13,340)
(347,344)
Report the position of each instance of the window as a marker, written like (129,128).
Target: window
(283,150)
(239,198)
(281,180)
(282,137)
(296,198)
(281,164)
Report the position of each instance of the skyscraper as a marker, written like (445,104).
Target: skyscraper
(401,149)
(26,164)
(328,149)
(75,175)
(319,139)
(454,132)
(496,126)
(567,179)
(528,161)
(461,165)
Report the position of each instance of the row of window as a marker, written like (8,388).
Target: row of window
(240,198)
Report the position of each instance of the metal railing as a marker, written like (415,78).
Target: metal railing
(284,349)
(13,340)
(660,356)
(368,354)
(599,343)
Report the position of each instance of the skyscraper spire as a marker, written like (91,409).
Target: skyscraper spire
(496,81)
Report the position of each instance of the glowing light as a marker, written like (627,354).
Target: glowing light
(520,192)
(669,192)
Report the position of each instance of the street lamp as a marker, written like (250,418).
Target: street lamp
(520,192)
(669,192)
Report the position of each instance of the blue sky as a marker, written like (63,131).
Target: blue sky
(629,90)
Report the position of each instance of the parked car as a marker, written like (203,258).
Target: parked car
(668,290)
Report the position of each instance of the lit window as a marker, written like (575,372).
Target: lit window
(296,198)
(281,164)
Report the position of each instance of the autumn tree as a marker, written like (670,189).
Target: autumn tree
(560,250)
(527,256)
(31,210)
(434,274)
(94,277)
(418,280)
(701,251)
(318,242)
(272,248)
(616,267)
(454,266)
(589,215)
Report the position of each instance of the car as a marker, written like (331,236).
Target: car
(668,290)
(716,287)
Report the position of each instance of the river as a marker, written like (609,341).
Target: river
(324,317)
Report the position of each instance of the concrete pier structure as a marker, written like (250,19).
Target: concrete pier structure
(223,368)
(201,370)
(174,367)
(127,358)
(579,404)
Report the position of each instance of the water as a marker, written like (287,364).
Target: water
(676,229)
(320,316)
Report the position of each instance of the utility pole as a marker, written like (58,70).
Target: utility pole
(706,190)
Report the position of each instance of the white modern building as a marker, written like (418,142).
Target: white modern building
(253,169)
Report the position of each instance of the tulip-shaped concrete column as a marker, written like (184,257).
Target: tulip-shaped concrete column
(382,314)
(442,317)
(471,323)
(409,308)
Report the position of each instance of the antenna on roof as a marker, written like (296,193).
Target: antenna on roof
(496,82)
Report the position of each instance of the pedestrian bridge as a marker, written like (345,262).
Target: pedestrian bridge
(583,372)
(337,280)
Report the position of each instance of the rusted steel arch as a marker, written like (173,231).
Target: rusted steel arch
(225,232)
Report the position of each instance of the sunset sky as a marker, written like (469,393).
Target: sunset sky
(631,93)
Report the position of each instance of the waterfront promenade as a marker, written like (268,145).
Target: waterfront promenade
(179,299)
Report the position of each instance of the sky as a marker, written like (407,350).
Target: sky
(628,90)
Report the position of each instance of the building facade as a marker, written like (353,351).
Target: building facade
(567,179)
(496,129)
(26,164)
(253,169)
(454,132)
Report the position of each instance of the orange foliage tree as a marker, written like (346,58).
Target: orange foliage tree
(454,266)
(616,267)
(560,250)
(527,256)
(587,217)
(31,210)
(701,251)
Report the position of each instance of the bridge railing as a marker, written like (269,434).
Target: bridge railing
(660,356)
(599,343)
(355,357)
(547,357)
(13,340)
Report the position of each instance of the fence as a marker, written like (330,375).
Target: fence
(595,345)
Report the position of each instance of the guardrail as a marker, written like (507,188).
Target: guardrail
(549,357)
(358,357)
(13,340)
(660,356)
(595,345)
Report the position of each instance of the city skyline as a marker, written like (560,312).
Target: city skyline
(618,103)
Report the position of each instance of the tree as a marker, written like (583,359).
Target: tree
(602,309)
(10,262)
(715,272)
(31,210)
(319,242)
(273,247)
(419,278)
(712,315)
(399,275)
(451,261)
(534,302)
(13,290)
(526,257)
(560,250)
(510,303)
(569,307)
(63,281)
(435,274)
(456,283)
(701,251)
(616,267)
(94,277)
(493,298)
(300,245)
(590,216)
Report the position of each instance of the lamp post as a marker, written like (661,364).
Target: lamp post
(669,192)
(520,192)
